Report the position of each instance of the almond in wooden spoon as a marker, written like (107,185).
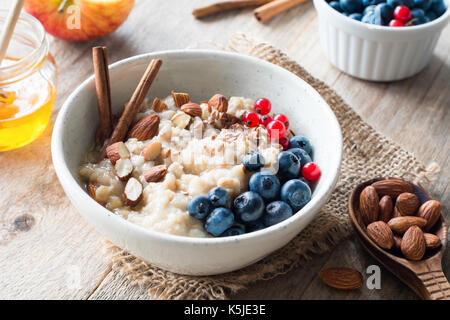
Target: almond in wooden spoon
(407,204)
(368,204)
(431,211)
(392,187)
(413,244)
(386,208)
(380,232)
(401,224)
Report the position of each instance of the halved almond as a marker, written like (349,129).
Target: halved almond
(124,169)
(180,98)
(152,151)
(158,105)
(117,151)
(133,192)
(180,120)
(92,189)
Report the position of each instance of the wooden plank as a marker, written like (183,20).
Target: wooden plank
(55,254)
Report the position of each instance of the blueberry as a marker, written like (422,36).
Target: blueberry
(368,9)
(199,207)
(438,7)
(248,206)
(296,193)
(276,212)
(351,6)
(418,16)
(218,221)
(335,5)
(255,225)
(301,154)
(289,165)
(346,13)
(300,142)
(354,16)
(385,12)
(253,161)
(367,3)
(431,15)
(422,4)
(218,197)
(266,185)
(233,231)
(394,3)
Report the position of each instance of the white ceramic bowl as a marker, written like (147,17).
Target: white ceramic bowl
(377,53)
(202,74)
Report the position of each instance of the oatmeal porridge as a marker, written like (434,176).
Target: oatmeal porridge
(194,149)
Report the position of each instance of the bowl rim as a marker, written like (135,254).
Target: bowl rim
(372,27)
(69,183)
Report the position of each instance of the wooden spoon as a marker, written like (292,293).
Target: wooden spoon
(425,277)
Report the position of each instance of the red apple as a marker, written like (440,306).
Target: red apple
(79,20)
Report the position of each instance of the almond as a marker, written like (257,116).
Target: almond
(92,188)
(180,120)
(386,209)
(368,204)
(180,98)
(432,241)
(342,278)
(397,243)
(146,128)
(192,109)
(152,151)
(392,187)
(431,211)
(124,169)
(158,105)
(401,224)
(117,151)
(156,173)
(219,102)
(133,192)
(380,232)
(413,244)
(407,204)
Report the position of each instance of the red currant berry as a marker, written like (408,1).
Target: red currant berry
(265,120)
(284,143)
(276,130)
(262,106)
(251,119)
(402,13)
(396,23)
(282,118)
(311,171)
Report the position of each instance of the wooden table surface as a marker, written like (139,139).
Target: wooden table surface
(55,254)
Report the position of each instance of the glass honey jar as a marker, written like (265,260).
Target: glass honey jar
(27,83)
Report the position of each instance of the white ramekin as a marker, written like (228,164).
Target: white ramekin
(376,53)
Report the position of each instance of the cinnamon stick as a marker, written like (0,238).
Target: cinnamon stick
(132,107)
(274,8)
(103,90)
(226,6)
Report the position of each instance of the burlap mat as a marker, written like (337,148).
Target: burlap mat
(367,154)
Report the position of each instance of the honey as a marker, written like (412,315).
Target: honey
(27,85)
